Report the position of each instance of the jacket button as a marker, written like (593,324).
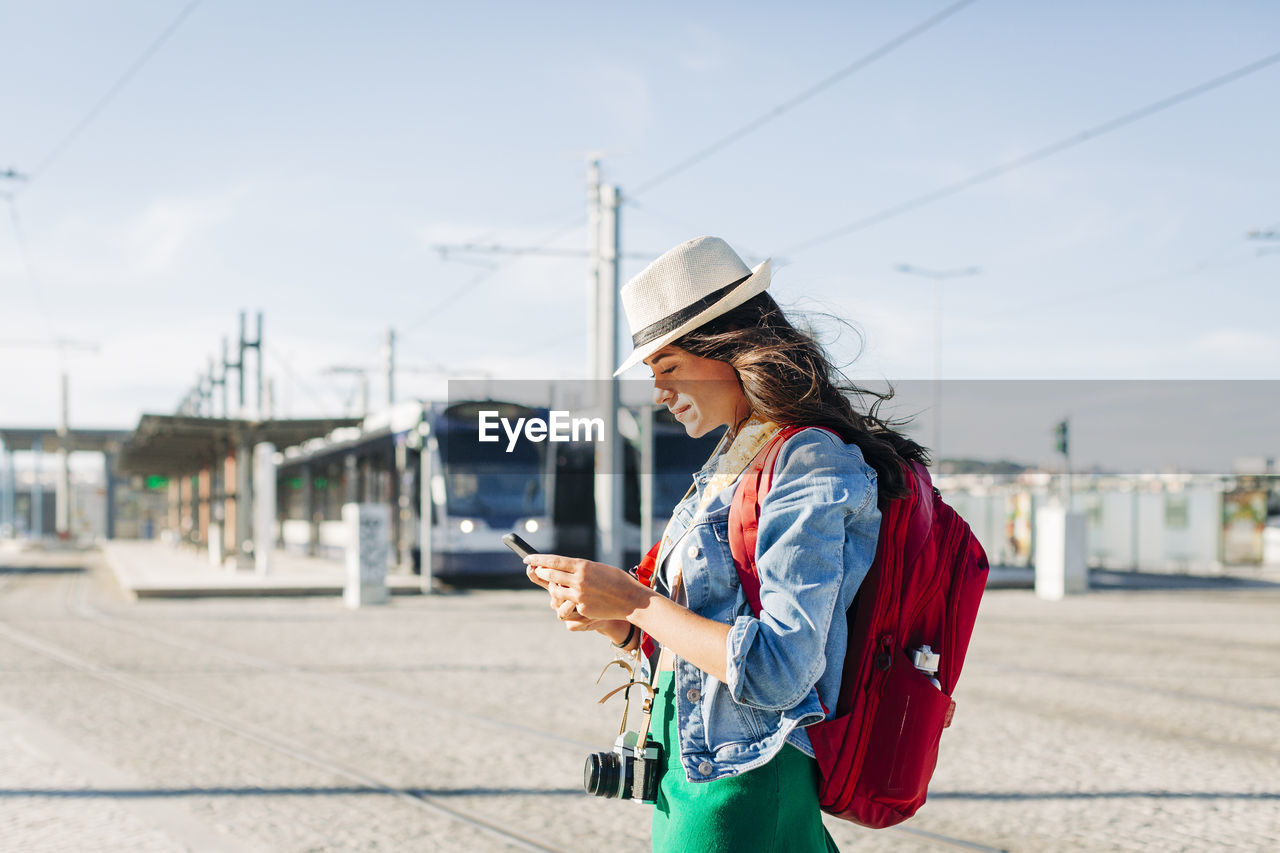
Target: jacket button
(693,552)
(694,694)
(705,768)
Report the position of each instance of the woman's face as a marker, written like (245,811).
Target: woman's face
(702,393)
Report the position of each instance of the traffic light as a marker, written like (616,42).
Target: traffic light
(1060,436)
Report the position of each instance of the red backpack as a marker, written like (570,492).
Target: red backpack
(880,748)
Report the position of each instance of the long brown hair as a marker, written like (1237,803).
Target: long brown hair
(788,378)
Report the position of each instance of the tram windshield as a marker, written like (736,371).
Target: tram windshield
(483,480)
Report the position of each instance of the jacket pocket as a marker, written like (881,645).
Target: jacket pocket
(725,722)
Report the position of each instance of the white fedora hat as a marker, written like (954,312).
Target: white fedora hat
(689,285)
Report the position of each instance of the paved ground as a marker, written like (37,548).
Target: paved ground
(1122,720)
(151,569)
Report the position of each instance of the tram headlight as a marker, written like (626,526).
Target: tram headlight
(531,526)
(466,525)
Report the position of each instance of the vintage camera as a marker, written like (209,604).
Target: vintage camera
(632,771)
(627,773)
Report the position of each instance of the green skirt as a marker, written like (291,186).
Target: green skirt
(774,807)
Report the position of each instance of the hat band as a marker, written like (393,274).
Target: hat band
(674,321)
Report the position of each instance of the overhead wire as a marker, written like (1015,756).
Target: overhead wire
(1036,156)
(793,102)
(33,284)
(723,142)
(115,89)
(297,380)
(480,277)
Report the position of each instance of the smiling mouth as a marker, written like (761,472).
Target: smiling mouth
(680,411)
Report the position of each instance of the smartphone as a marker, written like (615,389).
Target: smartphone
(515,543)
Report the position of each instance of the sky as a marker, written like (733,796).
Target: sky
(305,159)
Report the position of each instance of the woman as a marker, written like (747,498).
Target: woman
(736,690)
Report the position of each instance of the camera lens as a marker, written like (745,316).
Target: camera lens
(600,774)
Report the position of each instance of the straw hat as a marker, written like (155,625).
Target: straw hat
(695,282)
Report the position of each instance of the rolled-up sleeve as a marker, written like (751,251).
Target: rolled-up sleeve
(775,660)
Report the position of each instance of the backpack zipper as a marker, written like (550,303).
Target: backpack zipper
(936,582)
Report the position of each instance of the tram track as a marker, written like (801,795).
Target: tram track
(263,737)
(76,602)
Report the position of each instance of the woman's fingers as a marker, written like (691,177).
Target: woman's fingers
(598,591)
(553,561)
(556,569)
(532,574)
(566,579)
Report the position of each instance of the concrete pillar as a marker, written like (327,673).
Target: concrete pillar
(309,508)
(175,507)
(109,479)
(1060,553)
(204,505)
(62,499)
(368,489)
(62,492)
(8,525)
(401,484)
(186,523)
(217,510)
(37,489)
(264,505)
(228,503)
(350,479)
(244,505)
(368,553)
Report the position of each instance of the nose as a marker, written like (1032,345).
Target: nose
(661,394)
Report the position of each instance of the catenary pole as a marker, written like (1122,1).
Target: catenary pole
(593,271)
(609,479)
(389,359)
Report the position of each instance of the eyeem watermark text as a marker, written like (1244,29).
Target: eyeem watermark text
(560,427)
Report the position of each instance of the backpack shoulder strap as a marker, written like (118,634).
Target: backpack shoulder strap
(744,515)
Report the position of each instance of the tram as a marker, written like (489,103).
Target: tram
(475,491)
(482,490)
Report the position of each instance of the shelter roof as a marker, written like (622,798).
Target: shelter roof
(183,444)
(25,438)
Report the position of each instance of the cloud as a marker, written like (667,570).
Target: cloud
(150,244)
(1238,345)
(155,241)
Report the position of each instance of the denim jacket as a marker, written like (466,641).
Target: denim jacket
(819,525)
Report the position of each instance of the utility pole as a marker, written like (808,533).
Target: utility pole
(238,367)
(938,277)
(1062,444)
(256,346)
(609,469)
(593,271)
(62,506)
(220,379)
(389,362)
